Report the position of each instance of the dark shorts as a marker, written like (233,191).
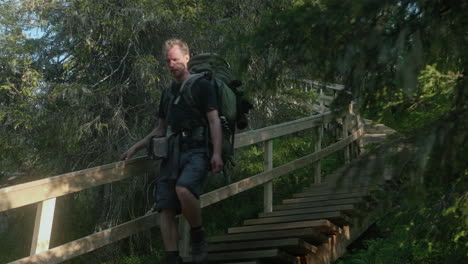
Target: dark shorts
(193,166)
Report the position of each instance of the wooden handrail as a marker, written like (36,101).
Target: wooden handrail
(44,189)
(275,131)
(41,190)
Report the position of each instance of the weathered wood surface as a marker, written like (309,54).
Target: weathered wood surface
(49,188)
(45,189)
(336,217)
(259,179)
(296,246)
(271,132)
(273,256)
(347,208)
(43,226)
(323,226)
(292,206)
(268,188)
(92,242)
(309,234)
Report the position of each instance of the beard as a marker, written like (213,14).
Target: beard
(178,71)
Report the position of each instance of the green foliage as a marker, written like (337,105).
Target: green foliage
(87,88)
(432,231)
(429,102)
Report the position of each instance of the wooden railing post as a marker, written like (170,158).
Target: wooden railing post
(43,226)
(322,105)
(345,134)
(184,235)
(268,188)
(317,148)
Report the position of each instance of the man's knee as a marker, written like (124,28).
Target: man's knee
(168,213)
(183,193)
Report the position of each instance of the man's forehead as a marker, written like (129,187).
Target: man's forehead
(174,51)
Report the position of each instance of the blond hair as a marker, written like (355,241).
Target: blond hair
(170,43)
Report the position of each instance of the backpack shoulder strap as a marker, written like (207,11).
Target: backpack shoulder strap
(185,89)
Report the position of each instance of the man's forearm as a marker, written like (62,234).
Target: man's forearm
(216,135)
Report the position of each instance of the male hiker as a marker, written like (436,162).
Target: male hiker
(189,159)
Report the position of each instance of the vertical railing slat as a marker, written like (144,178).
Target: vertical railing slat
(268,188)
(43,226)
(318,147)
(344,135)
(184,233)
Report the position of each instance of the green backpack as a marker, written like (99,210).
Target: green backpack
(233,107)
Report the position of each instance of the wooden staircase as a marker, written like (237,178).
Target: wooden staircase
(315,225)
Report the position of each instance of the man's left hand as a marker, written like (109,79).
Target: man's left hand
(216,163)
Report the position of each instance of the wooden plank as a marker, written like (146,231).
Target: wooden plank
(268,188)
(317,148)
(271,132)
(293,246)
(336,217)
(326,189)
(184,236)
(310,235)
(45,189)
(324,226)
(292,206)
(326,97)
(325,197)
(312,210)
(332,86)
(92,242)
(245,262)
(259,179)
(275,256)
(347,156)
(43,226)
(331,192)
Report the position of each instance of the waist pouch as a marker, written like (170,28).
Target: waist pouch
(158,147)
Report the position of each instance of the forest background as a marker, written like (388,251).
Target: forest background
(80,81)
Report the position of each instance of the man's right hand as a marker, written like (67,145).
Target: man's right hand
(127,155)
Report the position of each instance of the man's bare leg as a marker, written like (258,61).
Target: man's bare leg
(190,206)
(169,229)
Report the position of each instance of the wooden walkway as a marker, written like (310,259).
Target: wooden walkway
(315,225)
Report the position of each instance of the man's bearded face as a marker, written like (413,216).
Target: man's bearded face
(176,62)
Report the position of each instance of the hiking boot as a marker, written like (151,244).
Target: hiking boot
(173,259)
(199,247)
(199,252)
(179,260)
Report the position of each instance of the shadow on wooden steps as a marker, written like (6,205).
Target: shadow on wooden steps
(315,226)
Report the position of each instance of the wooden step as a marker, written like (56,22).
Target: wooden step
(339,188)
(373,138)
(246,262)
(293,246)
(323,226)
(309,234)
(321,197)
(274,256)
(351,181)
(347,208)
(293,206)
(336,217)
(309,193)
(325,197)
